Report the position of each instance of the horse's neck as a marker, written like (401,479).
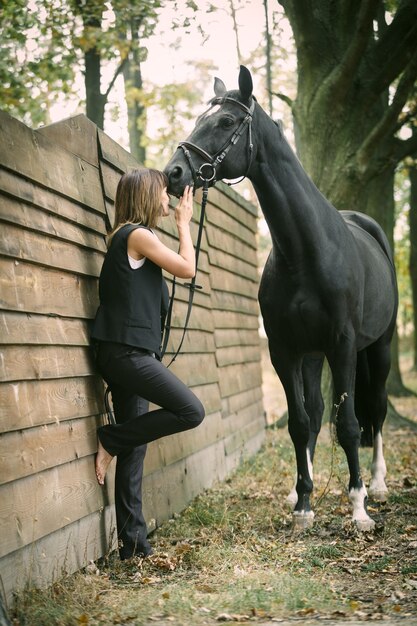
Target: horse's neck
(297,214)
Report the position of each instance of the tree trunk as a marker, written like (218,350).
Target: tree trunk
(344,122)
(132,76)
(95,101)
(413,251)
(268,59)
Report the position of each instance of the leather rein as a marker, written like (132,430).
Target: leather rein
(208,178)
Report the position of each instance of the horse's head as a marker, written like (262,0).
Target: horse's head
(220,146)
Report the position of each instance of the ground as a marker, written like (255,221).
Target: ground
(232,556)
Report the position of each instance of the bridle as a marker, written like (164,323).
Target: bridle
(213,161)
(208,178)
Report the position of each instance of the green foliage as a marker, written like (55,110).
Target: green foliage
(402,252)
(38,61)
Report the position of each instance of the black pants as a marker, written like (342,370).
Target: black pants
(136,378)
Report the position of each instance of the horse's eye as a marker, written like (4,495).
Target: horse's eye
(227,122)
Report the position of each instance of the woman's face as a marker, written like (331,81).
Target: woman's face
(164,202)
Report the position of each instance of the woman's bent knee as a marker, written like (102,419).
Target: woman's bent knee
(195,413)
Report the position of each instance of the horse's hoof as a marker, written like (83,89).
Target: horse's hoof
(365,524)
(302,520)
(378,495)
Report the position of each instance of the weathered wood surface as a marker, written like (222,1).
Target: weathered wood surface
(53,222)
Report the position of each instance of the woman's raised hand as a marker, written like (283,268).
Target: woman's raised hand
(184,208)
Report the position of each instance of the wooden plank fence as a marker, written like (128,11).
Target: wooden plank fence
(57,188)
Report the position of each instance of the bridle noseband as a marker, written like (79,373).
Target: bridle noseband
(211,162)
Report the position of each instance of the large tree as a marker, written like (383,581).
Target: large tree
(357,65)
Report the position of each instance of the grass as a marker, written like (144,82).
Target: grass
(232,556)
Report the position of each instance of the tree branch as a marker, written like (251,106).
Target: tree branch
(341,78)
(113,80)
(283,97)
(406,118)
(405,148)
(393,50)
(388,122)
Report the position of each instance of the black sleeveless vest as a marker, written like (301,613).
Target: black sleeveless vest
(133,303)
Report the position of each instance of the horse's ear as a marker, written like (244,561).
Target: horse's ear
(245,83)
(219,87)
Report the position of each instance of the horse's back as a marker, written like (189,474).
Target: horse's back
(372,227)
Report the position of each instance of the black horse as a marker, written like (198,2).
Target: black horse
(328,288)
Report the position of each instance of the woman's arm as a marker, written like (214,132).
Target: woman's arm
(143,243)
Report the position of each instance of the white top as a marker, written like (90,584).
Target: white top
(136,264)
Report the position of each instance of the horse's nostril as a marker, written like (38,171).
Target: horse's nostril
(175,173)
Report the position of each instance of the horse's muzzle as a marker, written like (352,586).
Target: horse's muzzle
(178,174)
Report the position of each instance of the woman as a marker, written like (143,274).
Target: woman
(127,331)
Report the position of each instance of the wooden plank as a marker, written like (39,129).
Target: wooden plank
(222,259)
(249,448)
(76,134)
(229,319)
(33,450)
(236,440)
(250,207)
(196,369)
(230,226)
(27,328)
(43,362)
(237,354)
(47,501)
(233,206)
(194,341)
(244,416)
(110,178)
(19,188)
(233,380)
(59,554)
(168,450)
(210,397)
(201,317)
(114,154)
(18,213)
(225,301)
(223,241)
(34,403)
(245,398)
(30,153)
(25,245)
(34,289)
(235,337)
(221,279)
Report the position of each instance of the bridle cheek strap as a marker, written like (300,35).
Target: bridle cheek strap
(211,162)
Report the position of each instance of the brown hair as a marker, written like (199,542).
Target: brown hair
(138,198)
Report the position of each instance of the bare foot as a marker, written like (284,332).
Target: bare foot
(103,460)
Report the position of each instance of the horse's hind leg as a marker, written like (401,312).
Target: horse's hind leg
(379,361)
(343,365)
(314,406)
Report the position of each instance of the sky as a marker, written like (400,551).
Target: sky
(171,53)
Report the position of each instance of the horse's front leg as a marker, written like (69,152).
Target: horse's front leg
(290,375)
(343,365)
(314,406)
